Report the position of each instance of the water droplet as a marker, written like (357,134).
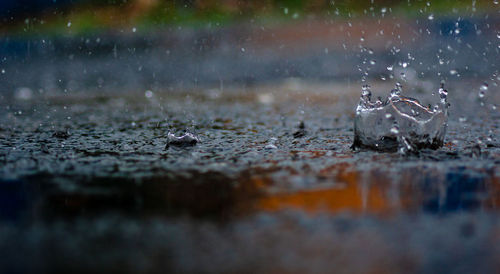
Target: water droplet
(373,62)
(390,68)
(69,24)
(365,91)
(453,72)
(185,140)
(462,119)
(23,93)
(481,94)
(383,10)
(431,16)
(134,29)
(3,71)
(388,115)
(285,10)
(148,94)
(484,86)
(270,146)
(394,94)
(395,130)
(405,64)
(242,49)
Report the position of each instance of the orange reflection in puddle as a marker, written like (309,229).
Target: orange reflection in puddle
(347,193)
(493,201)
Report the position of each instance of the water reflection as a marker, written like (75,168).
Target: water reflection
(349,192)
(215,196)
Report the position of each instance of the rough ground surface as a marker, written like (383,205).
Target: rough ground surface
(92,173)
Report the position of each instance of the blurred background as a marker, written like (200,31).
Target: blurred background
(152,44)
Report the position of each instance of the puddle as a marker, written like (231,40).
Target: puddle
(280,171)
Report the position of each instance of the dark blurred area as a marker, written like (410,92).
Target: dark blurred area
(13,8)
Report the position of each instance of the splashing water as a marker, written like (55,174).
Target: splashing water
(399,123)
(185,140)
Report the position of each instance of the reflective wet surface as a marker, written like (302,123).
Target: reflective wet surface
(253,154)
(272,183)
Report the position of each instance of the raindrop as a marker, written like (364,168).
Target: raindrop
(397,91)
(271,146)
(453,72)
(484,86)
(365,92)
(383,10)
(134,29)
(373,62)
(148,94)
(242,49)
(462,119)
(271,143)
(185,140)
(395,130)
(405,65)
(389,68)
(3,71)
(431,17)
(23,93)
(481,94)
(69,24)
(443,94)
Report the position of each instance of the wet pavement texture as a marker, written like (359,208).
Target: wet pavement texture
(272,186)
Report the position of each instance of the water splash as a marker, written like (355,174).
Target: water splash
(185,140)
(399,123)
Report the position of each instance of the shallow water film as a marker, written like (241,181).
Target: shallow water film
(228,137)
